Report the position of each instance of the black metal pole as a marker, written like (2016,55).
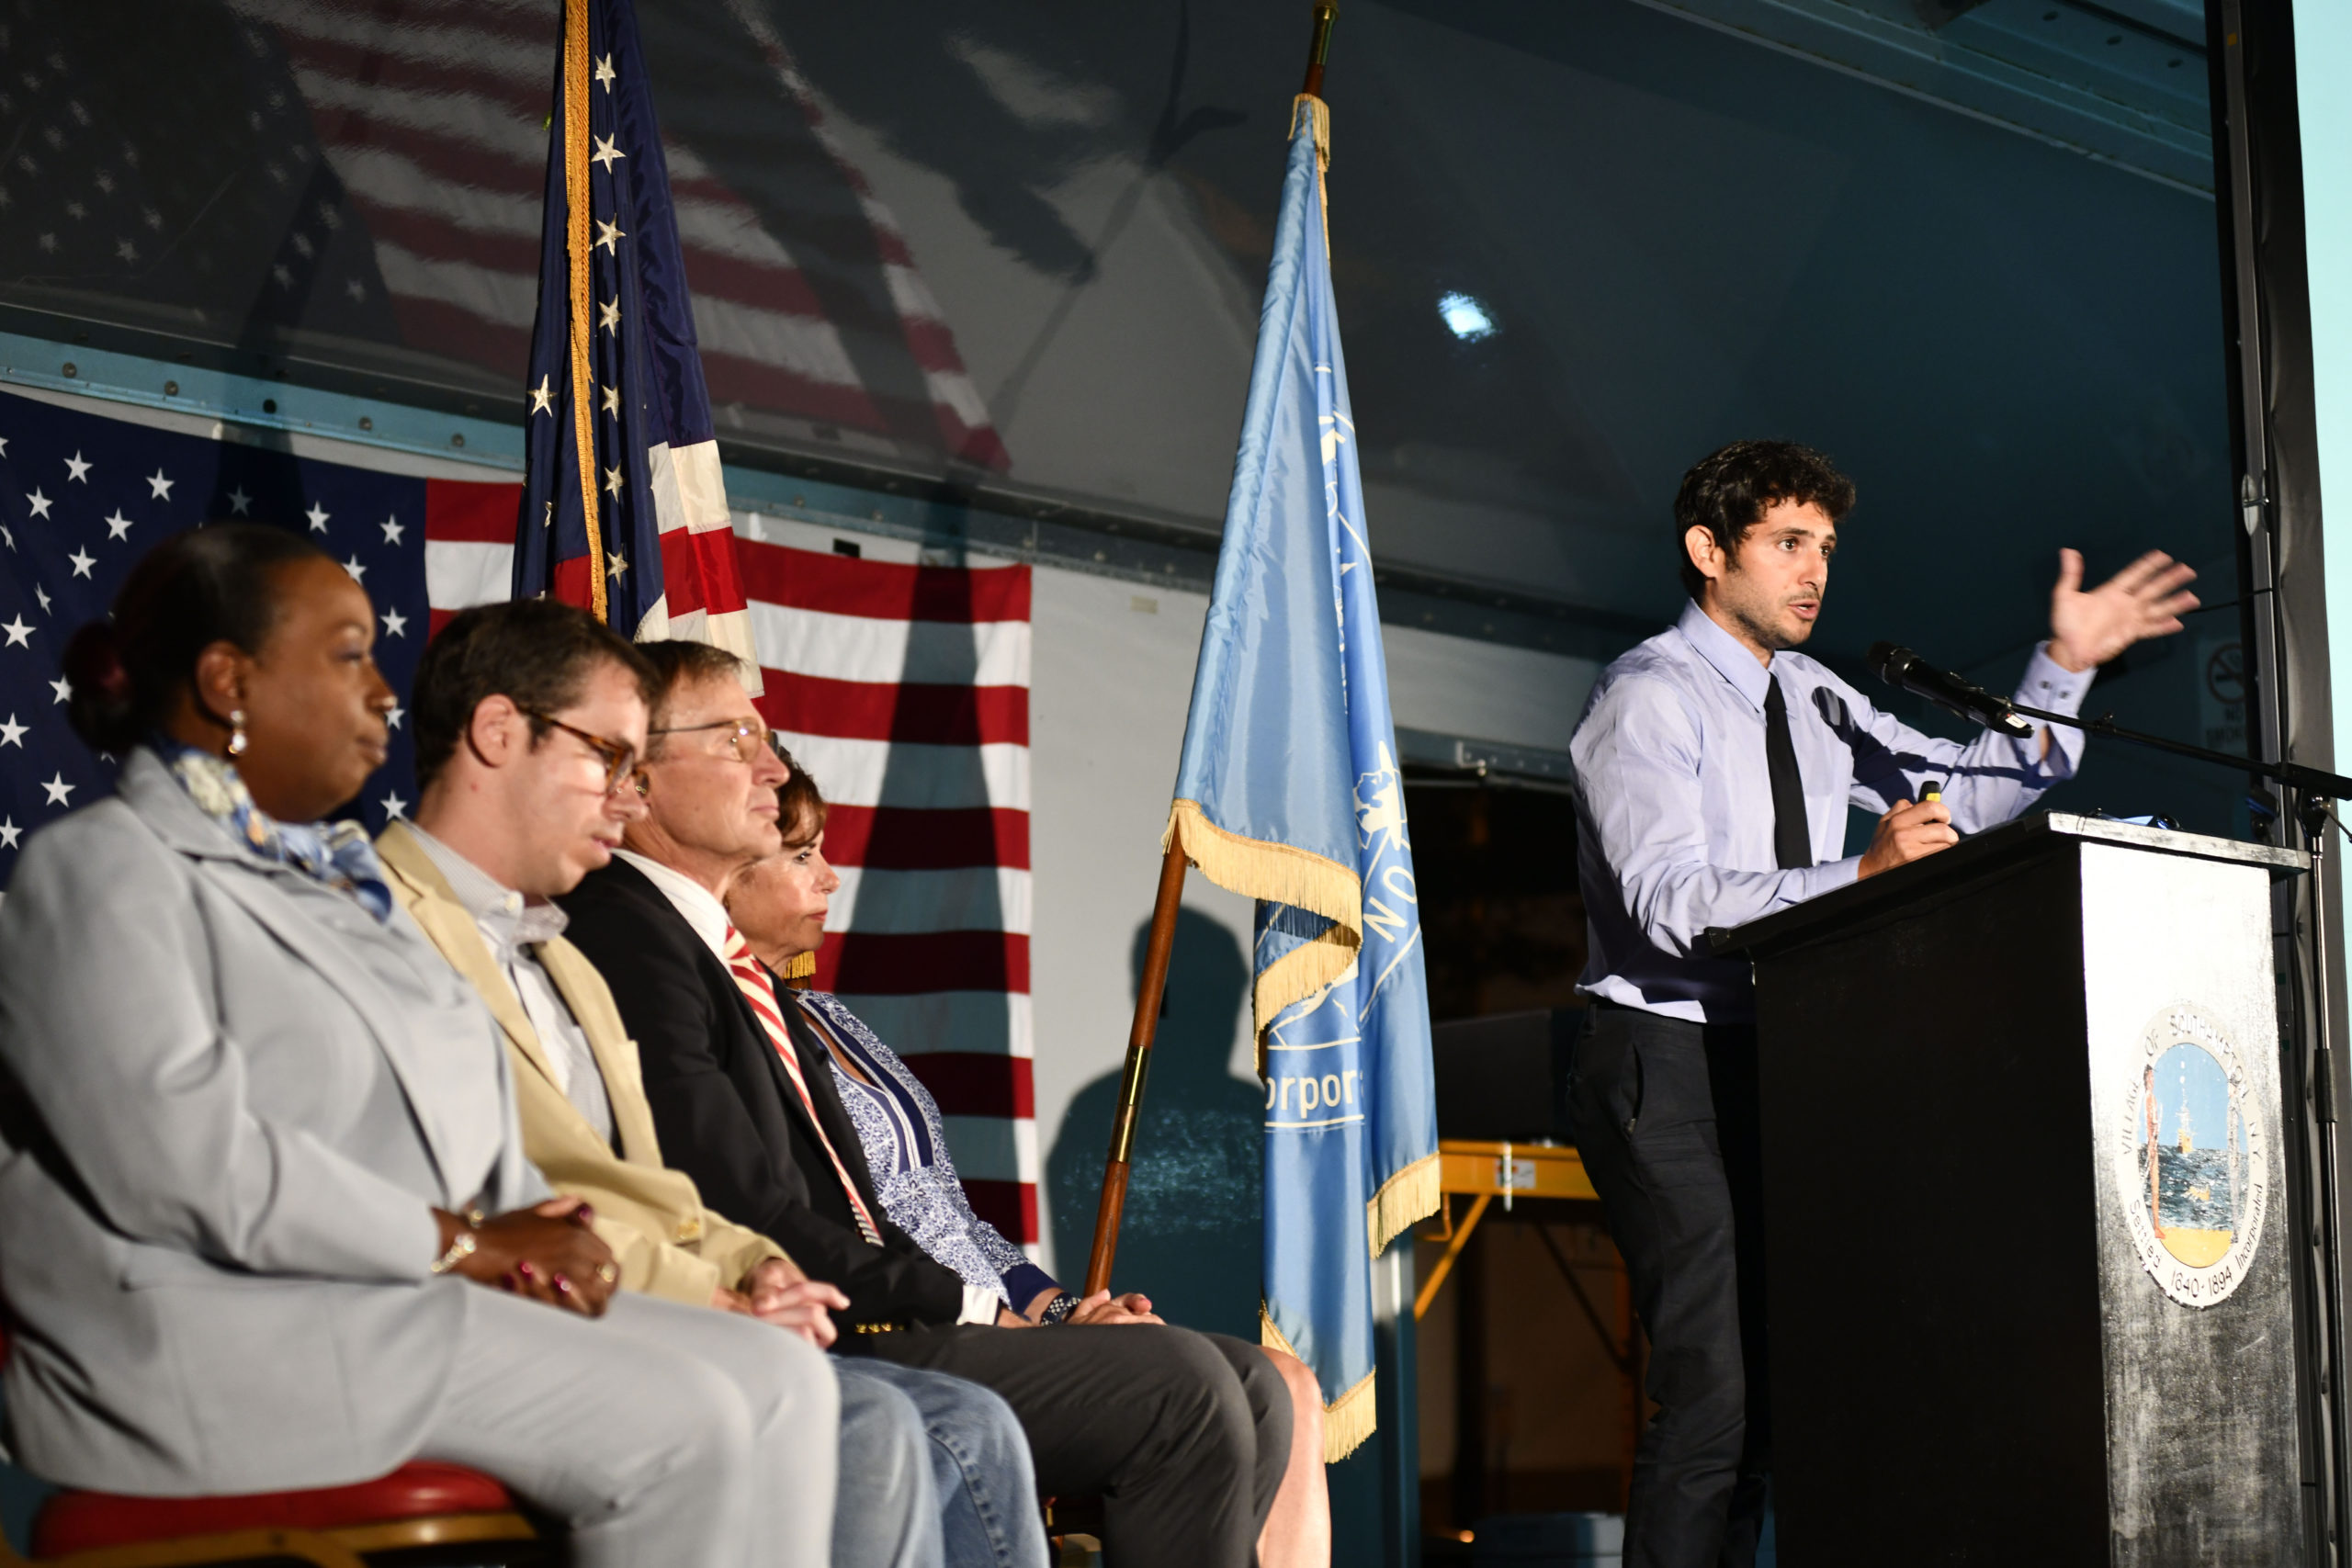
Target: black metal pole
(2265,310)
(2316,782)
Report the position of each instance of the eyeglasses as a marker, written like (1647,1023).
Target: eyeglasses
(618,756)
(745,739)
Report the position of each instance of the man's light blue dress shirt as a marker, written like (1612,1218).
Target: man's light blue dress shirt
(1674,801)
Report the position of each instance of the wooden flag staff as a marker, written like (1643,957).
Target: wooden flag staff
(1153,984)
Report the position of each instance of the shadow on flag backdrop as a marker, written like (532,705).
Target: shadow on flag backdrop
(623,511)
(1288,792)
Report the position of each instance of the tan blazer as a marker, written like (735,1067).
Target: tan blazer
(667,1244)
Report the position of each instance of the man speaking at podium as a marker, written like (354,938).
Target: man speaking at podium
(1713,766)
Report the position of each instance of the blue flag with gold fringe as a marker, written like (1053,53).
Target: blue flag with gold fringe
(1288,792)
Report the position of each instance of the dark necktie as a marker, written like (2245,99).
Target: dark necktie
(1791,837)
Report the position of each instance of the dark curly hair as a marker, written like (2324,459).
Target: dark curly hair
(1727,490)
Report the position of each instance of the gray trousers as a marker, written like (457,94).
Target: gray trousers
(658,1433)
(1184,1435)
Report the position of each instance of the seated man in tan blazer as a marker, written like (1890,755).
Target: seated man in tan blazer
(529,717)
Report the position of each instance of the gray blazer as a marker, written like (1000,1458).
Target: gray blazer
(239,1095)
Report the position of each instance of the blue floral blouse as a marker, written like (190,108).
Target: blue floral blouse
(906,1149)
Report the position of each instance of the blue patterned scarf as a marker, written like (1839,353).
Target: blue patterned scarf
(333,854)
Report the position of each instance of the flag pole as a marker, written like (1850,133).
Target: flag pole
(1153,985)
(1148,991)
(582,254)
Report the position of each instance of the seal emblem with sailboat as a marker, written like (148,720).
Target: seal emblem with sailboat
(2195,1176)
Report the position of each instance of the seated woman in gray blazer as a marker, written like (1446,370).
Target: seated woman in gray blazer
(243,1194)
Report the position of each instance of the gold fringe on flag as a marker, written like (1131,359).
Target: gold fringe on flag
(1403,1200)
(1305,970)
(1255,869)
(581,256)
(1347,1420)
(1321,112)
(1280,875)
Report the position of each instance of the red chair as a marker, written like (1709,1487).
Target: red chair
(420,1505)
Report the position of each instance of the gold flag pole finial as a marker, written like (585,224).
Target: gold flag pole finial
(1325,10)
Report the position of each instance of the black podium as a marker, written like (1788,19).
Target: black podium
(2028,1273)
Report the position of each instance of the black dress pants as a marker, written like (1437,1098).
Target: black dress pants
(1184,1435)
(1664,1113)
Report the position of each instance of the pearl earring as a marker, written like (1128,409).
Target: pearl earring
(237,741)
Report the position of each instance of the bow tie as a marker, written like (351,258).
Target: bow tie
(539,923)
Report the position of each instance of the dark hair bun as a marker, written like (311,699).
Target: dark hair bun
(192,588)
(101,709)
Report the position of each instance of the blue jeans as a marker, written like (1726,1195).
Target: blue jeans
(979,1465)
(886,1504)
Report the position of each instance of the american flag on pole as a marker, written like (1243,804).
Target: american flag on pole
(903,687)
(623,510)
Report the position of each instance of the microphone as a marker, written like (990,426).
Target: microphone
(1902,668)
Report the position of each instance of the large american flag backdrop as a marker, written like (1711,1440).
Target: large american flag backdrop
(902,686)
(433,117)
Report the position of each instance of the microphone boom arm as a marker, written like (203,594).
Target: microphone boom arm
(2316,782)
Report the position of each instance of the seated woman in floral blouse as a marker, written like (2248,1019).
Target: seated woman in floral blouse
(779,905)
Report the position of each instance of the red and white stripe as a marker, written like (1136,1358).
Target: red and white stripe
(904,690)
(754,982)
(433,115)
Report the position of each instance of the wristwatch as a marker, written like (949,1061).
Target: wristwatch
(1057,1310)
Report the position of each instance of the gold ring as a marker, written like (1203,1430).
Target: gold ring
(607,1273)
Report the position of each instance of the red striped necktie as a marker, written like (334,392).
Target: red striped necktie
(752,981)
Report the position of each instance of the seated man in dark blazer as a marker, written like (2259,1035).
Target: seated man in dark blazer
(1185,1435)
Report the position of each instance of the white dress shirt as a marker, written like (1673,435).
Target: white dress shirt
(1674,801)
(513,927)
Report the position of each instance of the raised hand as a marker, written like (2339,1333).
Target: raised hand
(2145,599)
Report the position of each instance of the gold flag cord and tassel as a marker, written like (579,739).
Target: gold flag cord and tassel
(581,253)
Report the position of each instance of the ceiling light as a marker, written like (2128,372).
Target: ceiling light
(1465,316)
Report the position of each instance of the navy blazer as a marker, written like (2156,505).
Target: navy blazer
(727,1113)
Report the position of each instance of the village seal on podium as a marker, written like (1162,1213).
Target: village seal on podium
(2193,1166)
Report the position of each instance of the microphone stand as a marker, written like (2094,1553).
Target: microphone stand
(2319,786)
